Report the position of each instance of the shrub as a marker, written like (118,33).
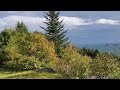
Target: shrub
(23,63)
(5,35)
(105,66)
(44,50)
(24,49)
(73,65)
(2,56)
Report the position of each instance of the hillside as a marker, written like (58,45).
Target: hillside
(110,47)
(52,55)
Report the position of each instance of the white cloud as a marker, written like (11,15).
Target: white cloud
(75,21)
(107,21)
(10,22)
(33,23)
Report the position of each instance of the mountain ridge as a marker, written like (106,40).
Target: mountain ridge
(113,48)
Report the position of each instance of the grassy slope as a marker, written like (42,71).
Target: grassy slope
(28,75)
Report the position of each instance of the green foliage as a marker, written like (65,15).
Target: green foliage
(4,39)
(21,50)
(89,52)
(43,49)
(29,51)
(105,66)
(55,31)
(5,36)
(73,65)
(21,27)
(2,56)
(23,63)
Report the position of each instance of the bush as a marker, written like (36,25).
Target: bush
(23,63)
(5,36)
(43,49)
(105,66)
(73,65)
(2,56)
(4,39)
(29,51)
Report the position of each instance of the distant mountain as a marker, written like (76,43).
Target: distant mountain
(108,47)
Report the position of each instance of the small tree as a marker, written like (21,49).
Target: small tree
(55,31)
(5,36)
(21,27)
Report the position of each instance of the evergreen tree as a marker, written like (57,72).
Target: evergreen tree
(5,36)
(55,31)
(21,27)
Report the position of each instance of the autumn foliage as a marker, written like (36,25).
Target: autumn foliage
(28,51)
(24,50)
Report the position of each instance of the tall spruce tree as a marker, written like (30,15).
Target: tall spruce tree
(55,31)
(21,27)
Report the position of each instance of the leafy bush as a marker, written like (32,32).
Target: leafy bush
(73,65)
(43,49)
(5,36)
(2,56)
(105,66)
(23,63)
(29,51)
(4,39)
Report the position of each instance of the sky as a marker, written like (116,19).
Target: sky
(84,27)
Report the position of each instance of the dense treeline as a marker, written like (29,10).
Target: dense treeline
(24,50)
(89,52)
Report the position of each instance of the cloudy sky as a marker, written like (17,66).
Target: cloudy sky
(84,27)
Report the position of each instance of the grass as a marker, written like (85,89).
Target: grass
(30,74)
